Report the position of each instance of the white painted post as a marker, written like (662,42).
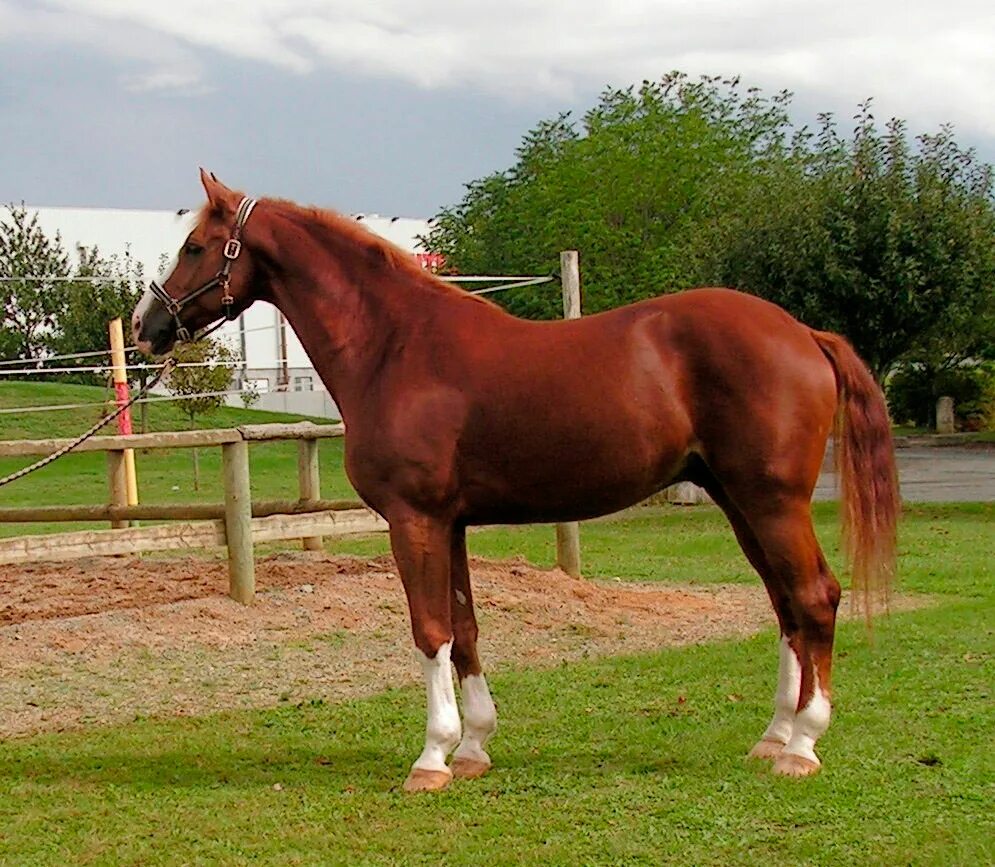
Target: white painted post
(568,535)
(238,522)
(309,481)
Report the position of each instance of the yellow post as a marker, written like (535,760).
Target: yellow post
(120,376)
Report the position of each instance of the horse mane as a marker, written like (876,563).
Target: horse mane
(376,250)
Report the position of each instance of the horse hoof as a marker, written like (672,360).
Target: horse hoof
(766,750)
(464,768)
(421,780)
(790,765)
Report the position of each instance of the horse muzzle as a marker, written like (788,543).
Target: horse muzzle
(152,326)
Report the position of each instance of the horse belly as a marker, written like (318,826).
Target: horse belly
(568,474)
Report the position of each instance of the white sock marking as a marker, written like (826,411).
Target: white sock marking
(442,731)
(811,723)
(479,716)
(789,684)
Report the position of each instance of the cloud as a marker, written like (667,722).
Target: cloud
(135,46)
(925,61)
(186,81)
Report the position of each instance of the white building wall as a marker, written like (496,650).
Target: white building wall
(150,237)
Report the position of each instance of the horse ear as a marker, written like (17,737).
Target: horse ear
(219,196)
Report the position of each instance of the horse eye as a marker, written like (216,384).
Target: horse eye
(192,249)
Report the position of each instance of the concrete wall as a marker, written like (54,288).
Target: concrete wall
(313,403)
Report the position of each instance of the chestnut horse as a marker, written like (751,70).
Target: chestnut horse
(460,414)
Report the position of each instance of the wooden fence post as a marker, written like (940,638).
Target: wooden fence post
(238,522)
(117,482)
(119,373)
(568,535)
(309,481)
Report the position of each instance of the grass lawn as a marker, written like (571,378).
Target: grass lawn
(627,760)
(164,476)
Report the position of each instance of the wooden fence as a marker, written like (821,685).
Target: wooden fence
(236,523)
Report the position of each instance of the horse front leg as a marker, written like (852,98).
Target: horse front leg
(479,715)
(421,548)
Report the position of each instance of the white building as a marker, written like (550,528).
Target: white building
(274,360)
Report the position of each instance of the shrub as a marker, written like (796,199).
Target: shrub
(914,389)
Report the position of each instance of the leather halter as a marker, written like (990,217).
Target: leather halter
(232,248)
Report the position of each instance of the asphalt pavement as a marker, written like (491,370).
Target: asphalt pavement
(936,475)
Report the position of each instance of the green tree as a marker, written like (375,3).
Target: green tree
(681,183)
(105,289)
(624,186)
(32,293)
(889,242)
(50,303)
(204,371)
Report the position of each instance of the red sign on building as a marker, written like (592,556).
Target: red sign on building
(434,262)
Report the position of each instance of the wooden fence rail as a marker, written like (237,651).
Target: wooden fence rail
(237,523)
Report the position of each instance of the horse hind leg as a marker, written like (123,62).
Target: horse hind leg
(805,596)
(810,596)
(479,715)
(778,733)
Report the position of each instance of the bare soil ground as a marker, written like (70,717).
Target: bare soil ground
(106,639)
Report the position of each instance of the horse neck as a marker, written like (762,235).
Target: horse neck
(345,306)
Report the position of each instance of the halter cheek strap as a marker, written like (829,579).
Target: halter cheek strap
(232,249)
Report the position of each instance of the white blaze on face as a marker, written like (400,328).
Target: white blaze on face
(138,317)
(442,731)
(142,308)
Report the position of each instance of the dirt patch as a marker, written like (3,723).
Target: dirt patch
(106,639)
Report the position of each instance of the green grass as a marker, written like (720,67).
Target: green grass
(164,476)
(694,545)
(629,760)
(162,416)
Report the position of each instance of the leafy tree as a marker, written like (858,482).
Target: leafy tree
(913,391)
(890,243)
(107,289)
(200,384)
(682,183)
(32,295)
(50,304)
(624,186)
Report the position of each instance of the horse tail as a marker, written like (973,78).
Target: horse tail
(865,468)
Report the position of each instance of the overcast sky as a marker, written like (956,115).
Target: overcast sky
(390,106)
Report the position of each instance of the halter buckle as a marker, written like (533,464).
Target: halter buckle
(232,248)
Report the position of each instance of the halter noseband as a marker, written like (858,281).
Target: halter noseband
(233,246)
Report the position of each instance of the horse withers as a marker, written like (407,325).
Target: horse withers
(459,414)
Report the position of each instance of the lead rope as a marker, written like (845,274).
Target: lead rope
(45,461)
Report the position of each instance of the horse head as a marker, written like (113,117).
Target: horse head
(211,280)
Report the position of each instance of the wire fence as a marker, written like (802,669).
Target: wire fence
(37,367)
(110,400)
(149,368)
